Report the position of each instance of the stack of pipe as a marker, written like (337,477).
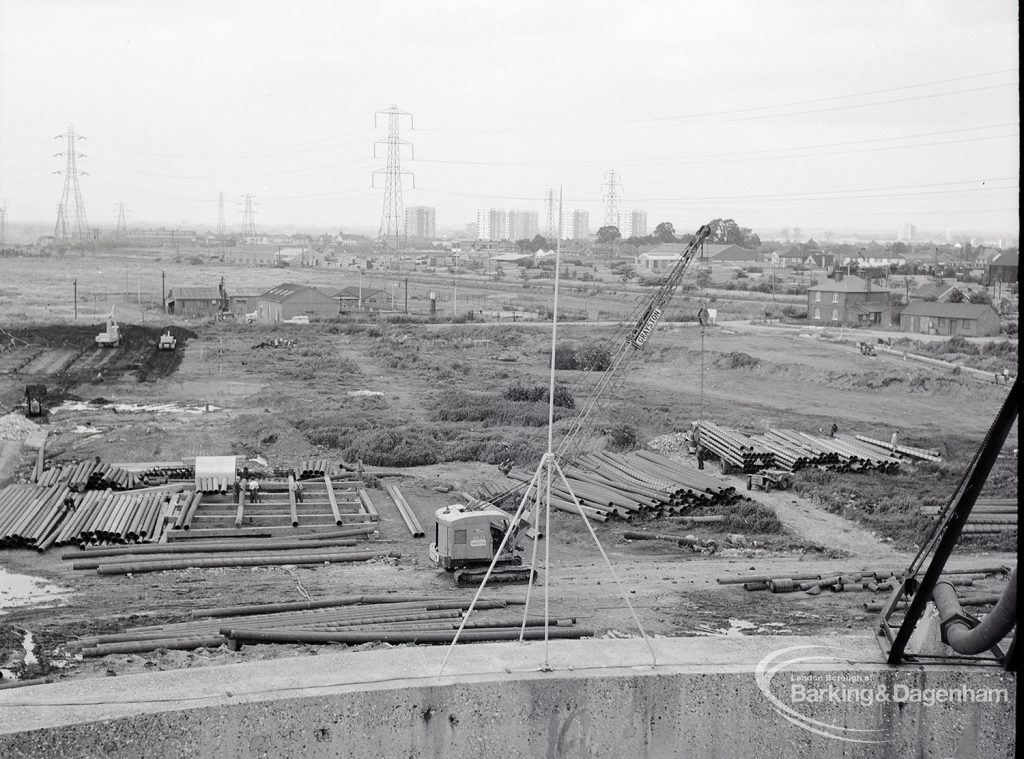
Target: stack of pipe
(854,455)
(172,472)
(352,619)
(30,513)
(408,516)
(924,454)
(316,468)
(802,448)
(89,475)
(213,484)
(610,485)
(734,447)
(989,516)
(118,518)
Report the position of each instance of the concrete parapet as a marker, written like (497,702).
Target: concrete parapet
(716,697)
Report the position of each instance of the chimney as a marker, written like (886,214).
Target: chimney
(867,285)
(838,274)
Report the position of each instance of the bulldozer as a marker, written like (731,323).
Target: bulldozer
(466,541)
(168,342)
(111,337)
(34,395)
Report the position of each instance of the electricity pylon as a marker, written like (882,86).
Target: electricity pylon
(612,198)
(393,233)
(71,220)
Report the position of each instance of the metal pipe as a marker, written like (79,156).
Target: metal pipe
(143,646)
(248,635)
(240,561)
(334,501)
(959,631)
(109,554)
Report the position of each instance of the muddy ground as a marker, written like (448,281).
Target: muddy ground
(311,399)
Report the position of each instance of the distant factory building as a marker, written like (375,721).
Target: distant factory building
(421,221)
(193,301)
(290,300)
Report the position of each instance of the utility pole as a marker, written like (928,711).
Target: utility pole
(163,291)
(406,295)
(612,197)
(3,224)
(74,284)
(393,233)
(72,223)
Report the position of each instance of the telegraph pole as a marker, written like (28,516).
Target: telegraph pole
(74,284)
(163,291)
(393,233)
(72,223)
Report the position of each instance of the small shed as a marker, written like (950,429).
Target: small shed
(193,301)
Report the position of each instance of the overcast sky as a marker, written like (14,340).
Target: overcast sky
(792,113)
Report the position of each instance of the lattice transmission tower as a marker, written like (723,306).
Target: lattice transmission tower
(612,198)
(122,223)
(553,226)
(248,217)
(71,220)
(220,219)
(393,233)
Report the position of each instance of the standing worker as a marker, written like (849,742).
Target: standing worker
(254,491)
(892,442)
(298,492)
(1006,376)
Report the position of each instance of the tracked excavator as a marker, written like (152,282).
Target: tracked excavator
(466,539)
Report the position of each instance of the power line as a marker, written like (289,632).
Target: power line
(673,120)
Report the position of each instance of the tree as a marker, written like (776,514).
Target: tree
(728,232)
(539,242)
(523,245)
(956,296)
(665,232)
(900,248)
(608,234)
(979,297)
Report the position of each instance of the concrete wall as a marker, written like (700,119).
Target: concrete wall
(602,699)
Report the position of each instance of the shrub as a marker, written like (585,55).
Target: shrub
(623,437)
(407,446)
(533,394)
(593,357)
(565,356)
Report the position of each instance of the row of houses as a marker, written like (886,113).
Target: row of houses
(285,301)
(850,300)
(999,268)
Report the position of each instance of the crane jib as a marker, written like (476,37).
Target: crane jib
(647,327)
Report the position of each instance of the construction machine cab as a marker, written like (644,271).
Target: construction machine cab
(466,538)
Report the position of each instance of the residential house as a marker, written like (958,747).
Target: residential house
(289,300)
(965,319)
(731,254)
(848,299)
(355,298)
(819,259)
(792,257)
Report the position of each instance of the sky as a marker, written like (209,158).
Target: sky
(855,115)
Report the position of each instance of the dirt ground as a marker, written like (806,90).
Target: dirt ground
(220,395)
